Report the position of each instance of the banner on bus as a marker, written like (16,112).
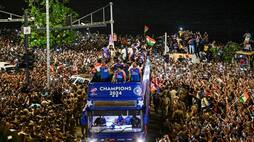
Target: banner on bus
(115,90)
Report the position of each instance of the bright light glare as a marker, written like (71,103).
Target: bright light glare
(92,140)
(140,140)
(181,28)
(32,18)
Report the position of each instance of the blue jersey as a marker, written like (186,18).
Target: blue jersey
(135,74)
(104,72)
(120,120)
(128,120)
(119,75)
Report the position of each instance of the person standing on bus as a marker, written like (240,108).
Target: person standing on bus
(139,59)
(119,75)
(125,53)
(126,67)
(117,64)
(104,72)
(94,74)
(127,120)
(120,120)
(98,64)
(135,74)
(133,54)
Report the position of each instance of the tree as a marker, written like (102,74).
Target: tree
(58,14)
(229,51)
(214,52)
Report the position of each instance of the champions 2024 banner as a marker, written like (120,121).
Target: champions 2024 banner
(115,90)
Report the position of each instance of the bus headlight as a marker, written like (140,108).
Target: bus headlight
(140,140)
(92,140)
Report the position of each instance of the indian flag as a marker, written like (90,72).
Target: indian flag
(244,97)
(146,28)
(150,41)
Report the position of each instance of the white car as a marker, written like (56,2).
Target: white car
(78,79)
(5,66)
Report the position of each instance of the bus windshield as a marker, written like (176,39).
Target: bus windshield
(115,121)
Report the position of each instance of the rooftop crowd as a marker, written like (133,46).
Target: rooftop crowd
(198,102)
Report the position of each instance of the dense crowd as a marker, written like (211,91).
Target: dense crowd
(198,102)
(205,101)
(32,111)
(202,102)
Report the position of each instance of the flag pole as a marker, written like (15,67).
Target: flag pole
(165,43)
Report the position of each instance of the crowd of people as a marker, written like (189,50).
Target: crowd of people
(30,110)
(208,101)
(202,102)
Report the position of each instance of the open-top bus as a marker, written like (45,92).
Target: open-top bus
(119,111)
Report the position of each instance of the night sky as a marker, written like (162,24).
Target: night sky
(222,19)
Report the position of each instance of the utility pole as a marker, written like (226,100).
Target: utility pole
(26,32)
(48,46)
(111,21)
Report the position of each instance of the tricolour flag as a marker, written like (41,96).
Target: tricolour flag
(146,28)
(244,97)
(150,41)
